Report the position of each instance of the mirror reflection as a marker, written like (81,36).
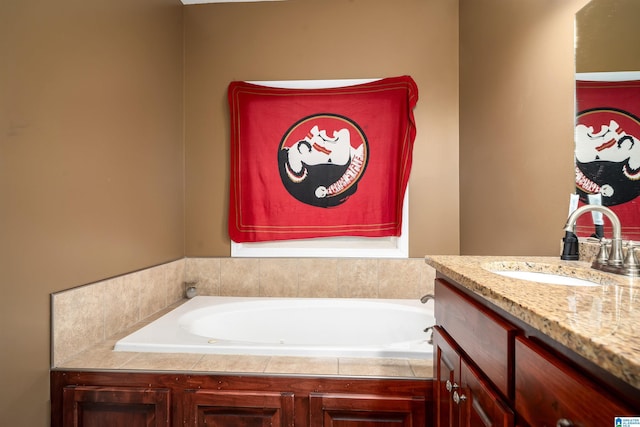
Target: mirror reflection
(607,131)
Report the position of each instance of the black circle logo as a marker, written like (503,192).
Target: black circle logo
(607,155)
(322,158)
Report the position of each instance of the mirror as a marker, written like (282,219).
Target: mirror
(607,36)
(607,128)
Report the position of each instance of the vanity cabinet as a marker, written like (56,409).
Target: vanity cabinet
(473,354)
(462,396)
(551,392)
(494,370)
(131,399)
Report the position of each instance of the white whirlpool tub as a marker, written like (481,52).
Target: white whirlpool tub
(329,327)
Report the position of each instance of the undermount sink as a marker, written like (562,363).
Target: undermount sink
(548,278)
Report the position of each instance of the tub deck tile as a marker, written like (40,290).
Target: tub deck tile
(422,368)
(99,357)
(375,367)
(235,363)
(309,365)
(103,357)
(163,361)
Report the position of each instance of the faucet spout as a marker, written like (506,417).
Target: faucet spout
(615,221)
(427,298)
(615,258)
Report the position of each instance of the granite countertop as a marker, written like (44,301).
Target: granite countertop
(599,323)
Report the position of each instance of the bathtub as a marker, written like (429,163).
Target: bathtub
(328,327)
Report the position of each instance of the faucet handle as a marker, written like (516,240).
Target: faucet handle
(615,259)
(631,261)
(603,254)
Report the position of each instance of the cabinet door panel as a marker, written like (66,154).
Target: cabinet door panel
(213,408)
(480,404)
(447,376)
(360,410)
(484,336)
(96,406)
(547,389)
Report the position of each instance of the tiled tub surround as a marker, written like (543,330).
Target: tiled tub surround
(599,323)
(88,320)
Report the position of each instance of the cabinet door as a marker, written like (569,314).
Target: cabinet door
(365,410)
(484,337)
(96,406)
(463,397)
(479,404)
(550,391)
(214,408)
(447,379)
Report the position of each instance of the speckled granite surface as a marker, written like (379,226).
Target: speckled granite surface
(600,323)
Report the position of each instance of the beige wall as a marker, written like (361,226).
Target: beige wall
(516,124)
(91,172)
(323,39)
(91,165)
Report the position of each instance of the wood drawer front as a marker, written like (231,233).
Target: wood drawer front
(485,337)
(548,389)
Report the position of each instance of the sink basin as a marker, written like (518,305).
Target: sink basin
(548,278)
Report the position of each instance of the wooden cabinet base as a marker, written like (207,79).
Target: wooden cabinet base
(493,369)
(114,399)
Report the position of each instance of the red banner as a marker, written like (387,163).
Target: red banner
(320,162)
(607,139)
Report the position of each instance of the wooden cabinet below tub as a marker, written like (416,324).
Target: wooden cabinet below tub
(130,399)
(492,369)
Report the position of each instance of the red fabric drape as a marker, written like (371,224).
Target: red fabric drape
(320,162)
(607,142)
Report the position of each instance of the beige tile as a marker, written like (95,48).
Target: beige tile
(175,278)
(163,361)
(206,272)
(400,278)
(306,365)
(78,320)
(318,277)
(427,279)
(375,367)
(152,293)
(133,284)
(120,304)
(99,357)
(231,363)
(422,368)
(357,278)
(132,328)
(239,277)
(278,277)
